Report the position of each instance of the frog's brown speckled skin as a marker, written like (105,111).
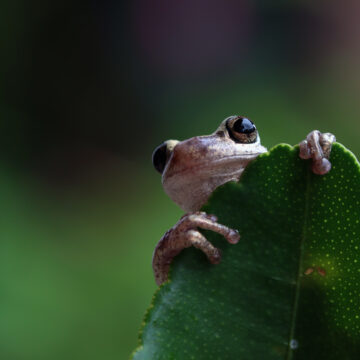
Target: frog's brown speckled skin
(196,167)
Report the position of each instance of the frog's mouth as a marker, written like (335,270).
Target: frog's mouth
(225,166)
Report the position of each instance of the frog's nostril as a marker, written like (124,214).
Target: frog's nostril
(159,157)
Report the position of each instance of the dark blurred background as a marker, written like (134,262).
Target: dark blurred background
(87,90)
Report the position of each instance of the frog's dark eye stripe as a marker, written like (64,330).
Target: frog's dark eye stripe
(159,157)
(241,129)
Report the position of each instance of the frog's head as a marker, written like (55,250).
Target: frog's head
(192,169)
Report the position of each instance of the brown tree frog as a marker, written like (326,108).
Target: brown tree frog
(192,169)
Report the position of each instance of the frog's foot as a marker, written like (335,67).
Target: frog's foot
(318,147)
(185,234)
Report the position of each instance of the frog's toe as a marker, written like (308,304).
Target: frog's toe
(185,234)
(196,239)
(209,222)
(321,167)
(317,146)
(326,141)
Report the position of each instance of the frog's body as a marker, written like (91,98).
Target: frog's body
(192,169)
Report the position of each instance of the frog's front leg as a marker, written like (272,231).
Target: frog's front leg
(318,147)
(185,234)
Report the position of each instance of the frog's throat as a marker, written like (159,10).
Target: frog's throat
(192,193)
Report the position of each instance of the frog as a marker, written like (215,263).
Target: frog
(192,169)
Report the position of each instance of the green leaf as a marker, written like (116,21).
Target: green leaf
(290,289)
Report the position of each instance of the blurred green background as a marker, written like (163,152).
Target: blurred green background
(88,89)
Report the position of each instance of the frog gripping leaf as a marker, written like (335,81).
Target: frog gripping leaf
(290,287)
(192,169)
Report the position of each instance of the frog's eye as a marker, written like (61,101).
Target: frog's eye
(162,153)
(159,158)
(241,129)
